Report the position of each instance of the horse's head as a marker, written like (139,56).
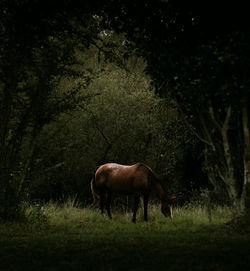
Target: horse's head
(167,206)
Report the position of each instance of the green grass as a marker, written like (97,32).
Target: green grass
(69,238)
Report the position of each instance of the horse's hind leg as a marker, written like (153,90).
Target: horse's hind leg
(101,202)
(136,204)
(145,202)
(109,196)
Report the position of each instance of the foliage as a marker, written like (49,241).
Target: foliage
(201,61)
(36,50)
(73,95)
(36,215)
(119,119)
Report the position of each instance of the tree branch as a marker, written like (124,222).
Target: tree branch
(211,113)
(226,147)
(226,122)
(191,128)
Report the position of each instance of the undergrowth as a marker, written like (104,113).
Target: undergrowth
(71,215)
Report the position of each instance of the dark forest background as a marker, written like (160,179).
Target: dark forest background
(89,82)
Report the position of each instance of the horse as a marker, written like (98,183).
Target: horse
(138,180)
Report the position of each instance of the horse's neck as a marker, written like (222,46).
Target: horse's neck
(160,191)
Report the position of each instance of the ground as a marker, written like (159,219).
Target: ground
(83,239)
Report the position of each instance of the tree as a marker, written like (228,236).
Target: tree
(117,121)
(200,56)
(38,43)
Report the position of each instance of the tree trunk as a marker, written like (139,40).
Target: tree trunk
(225,169)
(12,131)
(245,197)
(27,162)
(230,179)
(5,148)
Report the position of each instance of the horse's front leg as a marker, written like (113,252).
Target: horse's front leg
(109,196)
(145,202)
(136,204)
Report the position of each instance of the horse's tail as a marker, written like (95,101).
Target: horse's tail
(95,195)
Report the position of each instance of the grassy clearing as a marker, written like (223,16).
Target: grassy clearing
(71,238)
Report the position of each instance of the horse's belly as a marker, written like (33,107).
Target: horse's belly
(125,187)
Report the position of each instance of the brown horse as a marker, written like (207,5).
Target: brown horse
(138,180)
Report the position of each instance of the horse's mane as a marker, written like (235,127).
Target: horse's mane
(155,176)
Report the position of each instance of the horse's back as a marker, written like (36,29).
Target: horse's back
(122,179)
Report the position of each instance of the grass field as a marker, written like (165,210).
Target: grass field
(70,238)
